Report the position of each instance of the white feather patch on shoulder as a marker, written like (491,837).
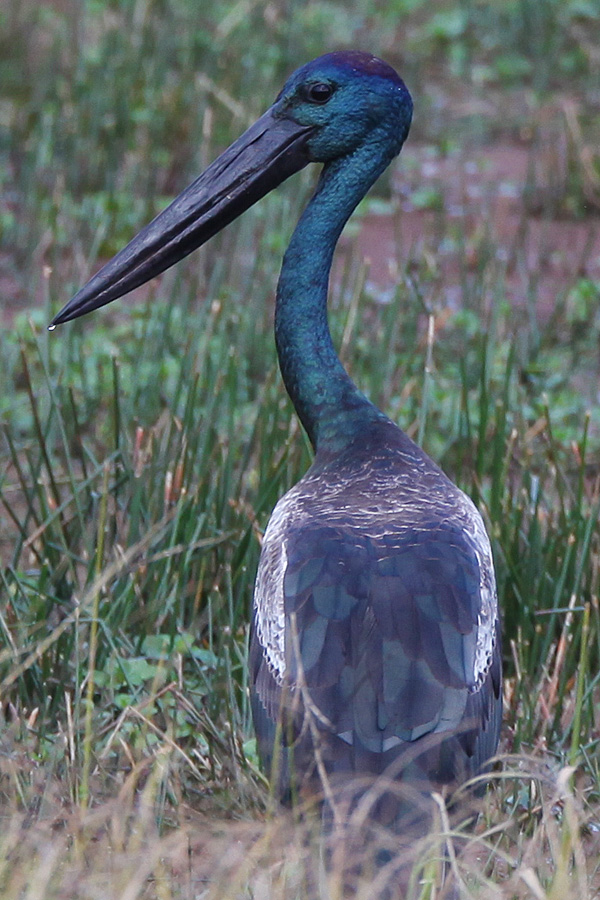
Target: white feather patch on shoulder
(487,618)
(269,603)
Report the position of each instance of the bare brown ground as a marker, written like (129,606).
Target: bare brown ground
(482,203)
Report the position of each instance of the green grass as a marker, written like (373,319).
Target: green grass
(143,448)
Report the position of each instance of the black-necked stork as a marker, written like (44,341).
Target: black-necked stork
(375,631)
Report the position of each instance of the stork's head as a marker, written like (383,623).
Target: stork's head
(347,97)
(326,110)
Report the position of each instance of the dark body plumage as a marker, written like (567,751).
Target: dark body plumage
(375,639)
(381,567)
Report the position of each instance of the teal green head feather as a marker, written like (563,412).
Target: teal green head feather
(350,98)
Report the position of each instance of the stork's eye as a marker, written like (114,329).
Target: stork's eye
(320,92)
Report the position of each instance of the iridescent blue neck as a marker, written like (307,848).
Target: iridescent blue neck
(329,404)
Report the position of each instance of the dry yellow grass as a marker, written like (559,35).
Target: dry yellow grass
(535,836)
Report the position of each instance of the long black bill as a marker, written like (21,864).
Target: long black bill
(265,155)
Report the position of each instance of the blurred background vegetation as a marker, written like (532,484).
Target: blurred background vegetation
(143,448)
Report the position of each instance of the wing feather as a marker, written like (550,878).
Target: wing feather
(398,644)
